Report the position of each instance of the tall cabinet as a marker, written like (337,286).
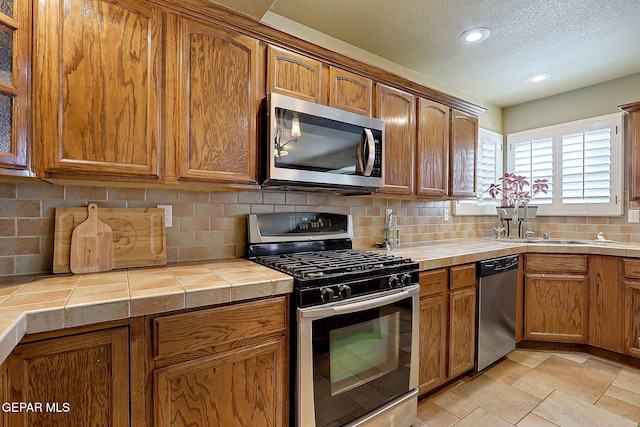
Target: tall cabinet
(15,52)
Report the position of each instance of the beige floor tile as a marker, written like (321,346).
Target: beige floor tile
(482,417)
(617,402)
(574,357)
(529,358)
(577,380)
(628,379)
(572,389)
(601,365)
(508,402)
(533,420)
(567,411)
(533,388)
(434,416)
(458,406)
(507,371)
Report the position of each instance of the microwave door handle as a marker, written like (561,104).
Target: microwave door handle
(371,145)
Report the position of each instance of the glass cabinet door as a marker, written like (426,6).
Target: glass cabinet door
(14,74)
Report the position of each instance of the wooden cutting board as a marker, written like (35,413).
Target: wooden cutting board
(91,245)
(139,238)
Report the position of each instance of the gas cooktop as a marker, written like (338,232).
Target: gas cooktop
(334,264)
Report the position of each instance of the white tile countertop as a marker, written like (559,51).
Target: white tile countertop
(30,304)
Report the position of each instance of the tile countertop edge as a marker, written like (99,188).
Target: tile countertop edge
(189,284)
(16,322)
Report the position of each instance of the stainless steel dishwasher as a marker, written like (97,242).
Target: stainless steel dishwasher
(496,322)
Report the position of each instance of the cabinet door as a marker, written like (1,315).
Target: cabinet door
(556,307)
(432,149)
(215,101)
(295,75)
(434,324)
(15,40)
(397,109)
(605,303)
(462,331)
(240,387)
(631,315)
(84,380)
(97,79)
(463,153)
(634,148)
(349,91)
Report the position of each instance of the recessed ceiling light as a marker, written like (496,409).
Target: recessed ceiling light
(537,78)
(475,35)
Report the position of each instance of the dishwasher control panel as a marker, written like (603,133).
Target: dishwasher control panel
(488,267)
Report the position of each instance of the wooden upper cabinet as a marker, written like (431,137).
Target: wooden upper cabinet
(96,84)
(349,91)
(634,148)
(15,31)
(397,109)
(462,155)
(432,149)
(293,74)
(213,98)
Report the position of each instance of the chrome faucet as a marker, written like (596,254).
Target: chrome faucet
(522,227)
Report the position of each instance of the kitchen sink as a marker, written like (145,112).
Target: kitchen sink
(555,241)
(545,241)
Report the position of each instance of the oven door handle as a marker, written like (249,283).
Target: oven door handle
(356,306)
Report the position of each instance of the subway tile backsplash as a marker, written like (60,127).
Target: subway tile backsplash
(212,225)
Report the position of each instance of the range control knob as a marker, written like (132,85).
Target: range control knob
(406,279)
(393,281)
(326,294)
(344,291)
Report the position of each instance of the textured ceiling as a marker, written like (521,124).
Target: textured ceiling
(578,42)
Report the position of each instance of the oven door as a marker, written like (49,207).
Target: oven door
(357,361)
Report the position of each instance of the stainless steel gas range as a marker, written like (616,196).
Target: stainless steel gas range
(354,338)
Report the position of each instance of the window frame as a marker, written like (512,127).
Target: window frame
(614,121)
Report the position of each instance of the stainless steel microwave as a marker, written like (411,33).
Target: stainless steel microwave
(314,147)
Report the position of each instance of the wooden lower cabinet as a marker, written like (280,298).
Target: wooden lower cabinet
(240,387)
(434,326)
(556,298)
(80,380)
(447,324)
(606,303)
(222,366)
(556,307)
(631,315)
(462,338)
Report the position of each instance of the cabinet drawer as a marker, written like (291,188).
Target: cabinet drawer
(187,332)
(556,263)
(632,268)
(433,282)
(463,276)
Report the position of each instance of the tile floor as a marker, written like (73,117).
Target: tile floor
(531,388)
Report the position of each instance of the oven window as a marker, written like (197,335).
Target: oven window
(361,361)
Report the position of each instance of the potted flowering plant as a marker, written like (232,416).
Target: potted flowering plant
(511,189)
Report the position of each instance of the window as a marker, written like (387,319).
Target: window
(582,161)
(489,169)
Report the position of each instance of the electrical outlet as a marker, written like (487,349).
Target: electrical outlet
(445,214)
(634,215)
(168,215)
